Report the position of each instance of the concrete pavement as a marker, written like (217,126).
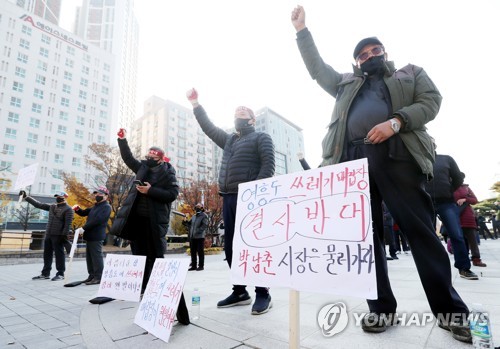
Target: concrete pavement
(45,315)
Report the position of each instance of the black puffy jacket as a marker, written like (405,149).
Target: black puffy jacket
(246,157)
(160,196)
(447,179)
(60,216)
(98,216)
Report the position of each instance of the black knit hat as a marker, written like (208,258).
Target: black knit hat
(364,42)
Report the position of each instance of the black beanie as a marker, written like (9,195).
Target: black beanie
(364,42)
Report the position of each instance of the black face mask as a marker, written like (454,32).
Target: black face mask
(59,200)
(151,163)
(240,123)
(99,198)
(198,210)
(373,65)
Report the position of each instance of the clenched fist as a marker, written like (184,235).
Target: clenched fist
(192,96)
(122,133)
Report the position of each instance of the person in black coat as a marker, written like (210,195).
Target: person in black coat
(56,233)
(145,214)
(197,227)
(94,232)
(247,156)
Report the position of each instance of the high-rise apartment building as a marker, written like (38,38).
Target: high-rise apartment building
(174,128)
(55,100)
(49,10)
(112,26)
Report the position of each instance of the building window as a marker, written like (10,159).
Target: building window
(105,78)
(24,43)
(26,30)
(103,114)
(21,57)
(38,93)
(78,133)
(65,102)
(63,115)
(66,88)
(44,52)
(13,117)
(61,144)
(62,130)
(15,102)
(70,50)
(80,120)
(85,70)
(58,158)
(34,122)
(101,139)
(20,72)
(32,138)
(8,149)
(69,62)
(42,65)
(84,82)
(82,94)
(82,107)
(46,39)
(30,153)
(37,108)
(68,76)
(18,86)
(105,90)
(76,162)
(40,79)
(77,148)
(104,102)
(10,133)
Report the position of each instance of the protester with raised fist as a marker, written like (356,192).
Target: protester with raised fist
(94,233)
(247,155)
(144,216)
(56,233)
(380,114)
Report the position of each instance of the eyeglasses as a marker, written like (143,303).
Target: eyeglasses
(376,51)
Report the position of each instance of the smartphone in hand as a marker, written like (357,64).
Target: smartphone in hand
(138,182)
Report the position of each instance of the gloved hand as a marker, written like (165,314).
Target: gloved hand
(122,133)
(22,193)
(192,96)
(75,208)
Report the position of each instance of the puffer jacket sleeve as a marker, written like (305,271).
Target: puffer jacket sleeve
(327,77)
(267,156)
(216,134)
(168,191)
(127,156)
(38,204)
(68,219)
(427,101)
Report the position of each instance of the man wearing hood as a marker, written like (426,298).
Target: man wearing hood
(247,156)
(56,233)
(145,214)
(380,114)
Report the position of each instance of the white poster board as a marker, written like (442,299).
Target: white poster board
(310,231)
(26,177)
(122,277)
(156,313)
(74,244)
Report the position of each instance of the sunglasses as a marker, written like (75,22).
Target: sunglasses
(376,51)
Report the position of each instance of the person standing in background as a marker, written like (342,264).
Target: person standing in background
(197,228)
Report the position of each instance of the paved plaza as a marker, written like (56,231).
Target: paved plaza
(45,315)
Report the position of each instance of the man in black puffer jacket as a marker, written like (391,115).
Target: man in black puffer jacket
(145,214)
(247,156)
(56,233)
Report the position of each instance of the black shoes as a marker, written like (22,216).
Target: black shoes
(200,268)
(262,304)
(467,274)
(376,323)
(93,282)
(235,299)
(41,277)
(459,331)
(192,268)
(58,278)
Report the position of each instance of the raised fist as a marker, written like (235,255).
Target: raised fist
(122,133)
(22,193)
(192,95)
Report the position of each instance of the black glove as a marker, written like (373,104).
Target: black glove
(22,193)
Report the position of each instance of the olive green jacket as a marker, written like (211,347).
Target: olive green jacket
(415,100)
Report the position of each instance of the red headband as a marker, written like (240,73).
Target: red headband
(156,153)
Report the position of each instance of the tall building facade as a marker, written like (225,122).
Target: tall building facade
(112,26)
(55,100)
(174,128)
(287,137)
(49,10)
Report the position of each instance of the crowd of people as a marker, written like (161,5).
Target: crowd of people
(380,114)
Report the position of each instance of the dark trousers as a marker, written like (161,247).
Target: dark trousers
(400,184)
(229,216)
(54,244)
(95,262)
(198,248)
(145,244)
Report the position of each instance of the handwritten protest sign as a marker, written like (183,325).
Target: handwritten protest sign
(159,304)
(122,277)
(26,177)
(310,231)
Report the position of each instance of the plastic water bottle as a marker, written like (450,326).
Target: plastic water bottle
(480,328)
(195,304)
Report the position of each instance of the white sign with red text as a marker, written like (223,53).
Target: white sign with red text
(309,230)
